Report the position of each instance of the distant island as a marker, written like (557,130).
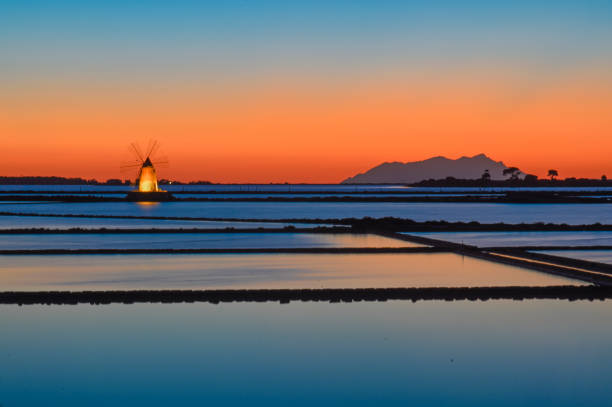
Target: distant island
(476,171)
(432,168)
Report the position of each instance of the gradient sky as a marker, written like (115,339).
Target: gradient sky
(313,91)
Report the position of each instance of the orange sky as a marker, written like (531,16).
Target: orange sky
(316,91)
(308,130)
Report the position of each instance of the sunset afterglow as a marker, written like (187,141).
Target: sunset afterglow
(304,93)
(305,203)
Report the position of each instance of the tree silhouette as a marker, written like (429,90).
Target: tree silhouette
(604,178)
(486,176)
(513,172)
(552,174)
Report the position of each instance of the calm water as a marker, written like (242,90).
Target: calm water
(218,187)
(461,353)
(481,212)
(601,256)
(494,353)
(195,240)
(118,272)
(288,188)
(484,239)
(262,195)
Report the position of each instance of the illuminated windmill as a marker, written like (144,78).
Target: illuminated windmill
(147,179)
(145,162)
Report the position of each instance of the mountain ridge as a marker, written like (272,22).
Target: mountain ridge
(437,167)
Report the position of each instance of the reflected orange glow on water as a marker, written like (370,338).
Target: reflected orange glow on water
(261,271)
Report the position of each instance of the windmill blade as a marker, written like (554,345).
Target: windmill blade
(154,147)
(148,149)
(129,167)
(160,162)
(136,150)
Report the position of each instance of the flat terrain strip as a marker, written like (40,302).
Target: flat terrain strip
(571,293)
(566,267)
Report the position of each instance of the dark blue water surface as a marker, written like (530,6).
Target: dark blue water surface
(494,353)
(420,211)
(289,188)
(399,353)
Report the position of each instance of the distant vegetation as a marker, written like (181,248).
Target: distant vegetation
(529,180)
(81,181)
(52,181)
(512,172)
(552,174)
(514,180)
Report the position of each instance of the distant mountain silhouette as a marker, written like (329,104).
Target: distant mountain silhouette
(432,168)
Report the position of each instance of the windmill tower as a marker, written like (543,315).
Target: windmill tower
(147,177)
(148,187)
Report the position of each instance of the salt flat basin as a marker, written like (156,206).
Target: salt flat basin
(195,241)
(553,238)
(600,256)
(430,353)
(418,211)
(218,271)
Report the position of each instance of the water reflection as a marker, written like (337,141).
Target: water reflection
(395,353)
(195,240)
(419,211)
(113,272)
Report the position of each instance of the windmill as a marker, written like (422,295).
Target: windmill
(145,162)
